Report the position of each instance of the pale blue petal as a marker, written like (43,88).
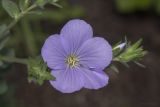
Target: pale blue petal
(67,81)
(95,53)
(74,33)
(53,52)
(94,79)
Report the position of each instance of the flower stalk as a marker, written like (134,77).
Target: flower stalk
(13,59)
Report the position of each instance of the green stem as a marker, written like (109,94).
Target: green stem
(27,10)
(13,59)
(12,24)
(19,17)
(29,38)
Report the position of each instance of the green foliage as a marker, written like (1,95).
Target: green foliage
(38,71)
(130,53)
(118,48)
(5,65)
(57,16)
(42,3)
(54,2)
(23,4)
(31,31)
(3,38)
(11,8)
(25,38)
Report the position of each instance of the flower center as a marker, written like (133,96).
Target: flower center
(72,61)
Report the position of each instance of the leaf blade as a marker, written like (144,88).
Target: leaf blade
(11,8)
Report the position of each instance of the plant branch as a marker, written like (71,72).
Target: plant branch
(23,13)
(13,59)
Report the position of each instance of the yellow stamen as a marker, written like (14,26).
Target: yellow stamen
(72,61)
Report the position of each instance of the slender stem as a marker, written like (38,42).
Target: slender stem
(29,38)
(19,17)
(28,9)
(13,59)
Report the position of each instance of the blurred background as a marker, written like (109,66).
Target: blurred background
(111,19)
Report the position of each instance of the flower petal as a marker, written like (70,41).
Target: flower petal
(53,52)
(67,81)
(94,79)
(95,53)
(74,33)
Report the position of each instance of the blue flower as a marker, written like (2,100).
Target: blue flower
(76,58)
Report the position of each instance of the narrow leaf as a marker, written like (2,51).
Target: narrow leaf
(23,4)
(139,64)
(11,8)
(36,12)
(125,64)
(3,38)
(113,67)
(56,4)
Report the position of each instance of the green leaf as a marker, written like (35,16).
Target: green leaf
(56,4)
(132,52)
(23,4)
(52,1)
(139,64)
(36,12)
(125,64)
(114,68)
(118,48)
(38,71)
(11,8)
(41,3)
(3,38)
